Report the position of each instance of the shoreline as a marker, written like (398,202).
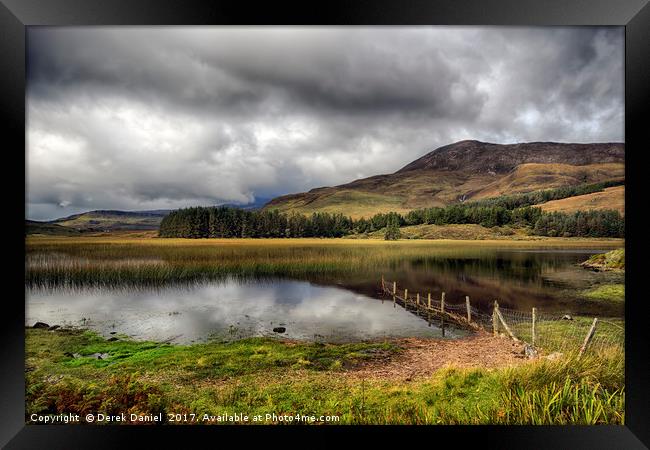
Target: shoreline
(520,240)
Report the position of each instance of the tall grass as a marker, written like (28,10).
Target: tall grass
(570,403)
(54,262)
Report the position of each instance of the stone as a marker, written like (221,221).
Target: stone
(530,351)
(40,325)
(279,329)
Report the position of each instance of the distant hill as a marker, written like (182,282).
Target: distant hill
(610,198)
(102,221)
(35,227)
(112,220)
(483,157)
(462,171)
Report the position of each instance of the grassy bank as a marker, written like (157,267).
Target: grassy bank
(108,261)
(613,260)
(608,293)
(265,376)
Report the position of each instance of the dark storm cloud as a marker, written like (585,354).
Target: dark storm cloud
(139,118)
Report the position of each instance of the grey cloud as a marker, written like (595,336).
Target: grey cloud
(138,118)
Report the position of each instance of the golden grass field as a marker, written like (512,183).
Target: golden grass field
(535,177)
(149,238)
(402,192)
(609,198)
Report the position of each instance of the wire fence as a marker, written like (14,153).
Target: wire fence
(539,331)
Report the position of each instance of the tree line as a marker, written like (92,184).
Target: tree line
(546,195)
(514,210)
(229,222)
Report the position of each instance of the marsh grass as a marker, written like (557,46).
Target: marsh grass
(111,262)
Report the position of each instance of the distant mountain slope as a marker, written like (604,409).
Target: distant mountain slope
(462,171)
(35,227)
(610,198)
(112,220)
(483,157)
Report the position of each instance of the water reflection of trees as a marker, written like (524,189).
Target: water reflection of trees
(518,280)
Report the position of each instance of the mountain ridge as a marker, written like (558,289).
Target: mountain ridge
(461,171)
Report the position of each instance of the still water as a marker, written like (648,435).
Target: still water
(230,310)
(333,308)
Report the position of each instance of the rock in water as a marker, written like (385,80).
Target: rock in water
(279,329)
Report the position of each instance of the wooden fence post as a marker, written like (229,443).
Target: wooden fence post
(429,301)
(590,334)
(406,296)
(394,293)
(533,327)
(505,325)
(442,308)
(417,302)
(469,311)
(495,326)
(429,308)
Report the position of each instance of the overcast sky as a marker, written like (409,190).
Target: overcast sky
(168,117)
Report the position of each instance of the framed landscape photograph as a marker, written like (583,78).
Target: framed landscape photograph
(376,216)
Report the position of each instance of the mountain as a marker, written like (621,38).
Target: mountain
(112,220)
(483,157)
(465,170)
(35,227)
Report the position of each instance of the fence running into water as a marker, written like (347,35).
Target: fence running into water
(537,330)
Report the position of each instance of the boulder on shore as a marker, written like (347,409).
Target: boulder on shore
(40,325)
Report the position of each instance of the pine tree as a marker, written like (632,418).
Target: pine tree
(392,229)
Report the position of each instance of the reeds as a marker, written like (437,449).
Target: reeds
(111,262)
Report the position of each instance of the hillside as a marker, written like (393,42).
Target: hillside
(35,227)
(610,198)
(463,171)
(111,220)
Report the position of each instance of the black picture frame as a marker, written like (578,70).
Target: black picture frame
(634,15)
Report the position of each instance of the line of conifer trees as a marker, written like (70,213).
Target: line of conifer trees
(228,222)
(546,195)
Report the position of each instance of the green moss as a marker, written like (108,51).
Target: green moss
(607,292)
(613,260)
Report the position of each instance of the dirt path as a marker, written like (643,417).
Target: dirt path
(422,357)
